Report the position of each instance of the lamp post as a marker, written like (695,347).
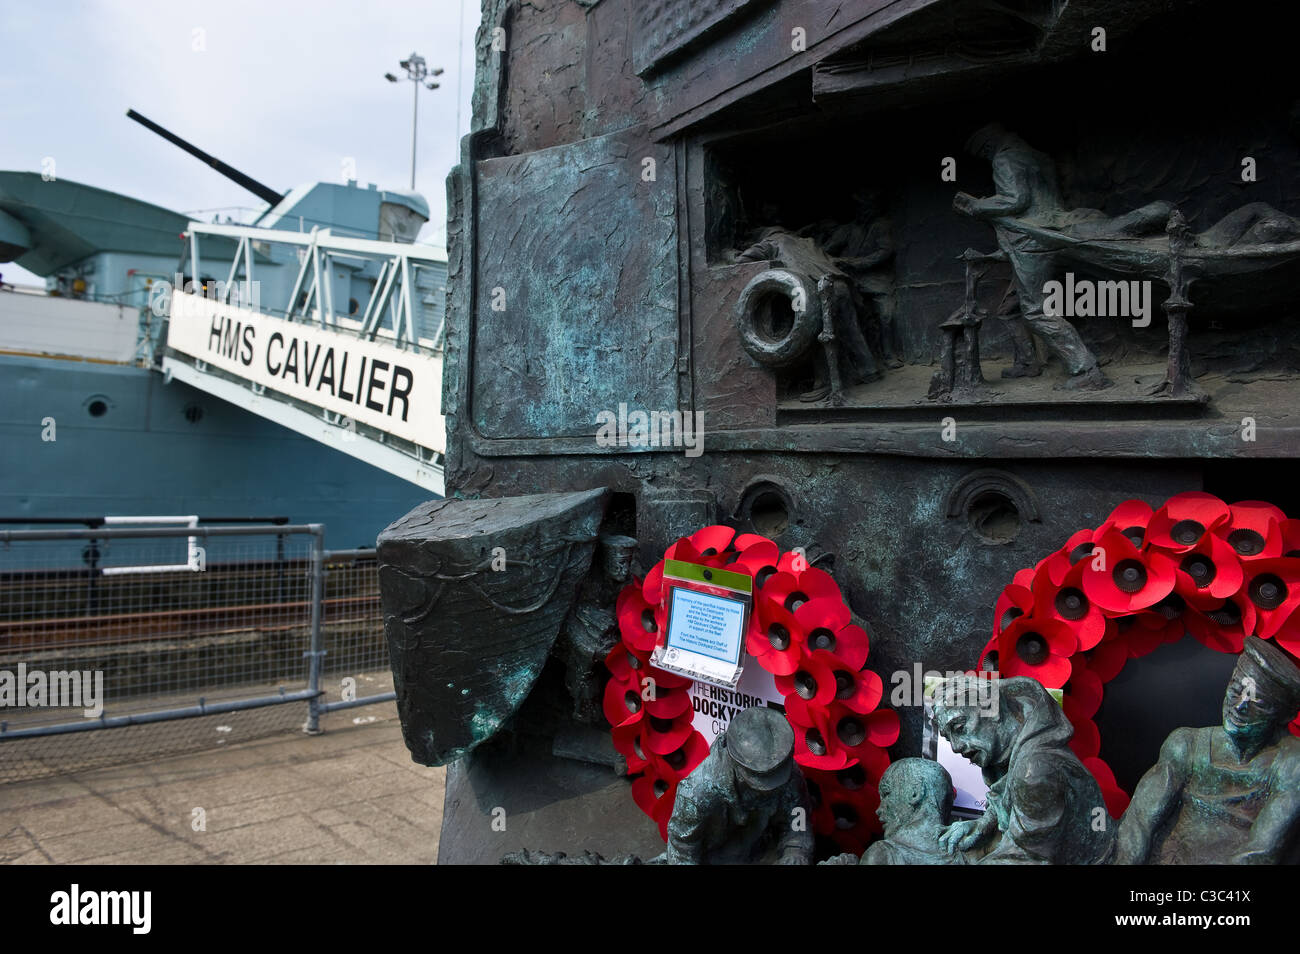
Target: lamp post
(417,72)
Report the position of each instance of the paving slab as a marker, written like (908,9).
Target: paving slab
(351,795)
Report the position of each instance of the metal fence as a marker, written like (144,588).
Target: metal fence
(177,638)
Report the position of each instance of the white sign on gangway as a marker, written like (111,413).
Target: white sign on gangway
(372,382)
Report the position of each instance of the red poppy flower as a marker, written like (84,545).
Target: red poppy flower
(627,742)
(712,541)
(1209,572)
(622,703)
(1223,628)
(792,590)
(854,778)
(663,735)
(815,744)
(1115,798)
(1086,741)
(1273,587)
(1147,631)
(872,760)
(665,702)
(1288,637)
(627,664)
(820,619)
(655,797)
(777,641)
(1081,696)
(1076,549)
(849,816)
(1185,520)
(863,735)
(1068,603)
(637,622)
(813,681)
(680,762)
(759,560)
(1254,530)
(686,550)
(1122,579)
(1038,648)
(848,644)
(859,691)
(989,657)
(1291,538)
(1108,657)
(1131,518)
(1014,601)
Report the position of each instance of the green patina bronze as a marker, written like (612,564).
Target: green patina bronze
(1230,793)
(747,802)
(1044,807)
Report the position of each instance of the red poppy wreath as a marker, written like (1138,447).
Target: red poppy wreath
(802,633)
(1145,577)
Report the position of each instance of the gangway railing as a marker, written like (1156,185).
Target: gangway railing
(271,338)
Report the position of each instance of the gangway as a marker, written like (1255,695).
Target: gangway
(332,336)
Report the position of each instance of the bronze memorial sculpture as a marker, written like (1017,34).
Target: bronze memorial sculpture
(1043,806)
(1226,794)
(730,265)
(915,804)
(590,631)
(746,802)
(821,285)
(1028,193)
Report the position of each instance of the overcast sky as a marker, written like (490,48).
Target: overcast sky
(283,90)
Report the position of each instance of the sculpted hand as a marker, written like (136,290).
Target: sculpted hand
(965,835)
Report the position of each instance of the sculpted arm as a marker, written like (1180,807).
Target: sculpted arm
(1155,797)
(1034,811)
(794,833)
(1279,821)
(685,832)
(1012,198)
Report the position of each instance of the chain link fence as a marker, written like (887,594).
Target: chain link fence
(121,643)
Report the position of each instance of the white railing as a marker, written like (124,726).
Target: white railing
(394,301)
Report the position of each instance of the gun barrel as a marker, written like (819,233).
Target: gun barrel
(263,192)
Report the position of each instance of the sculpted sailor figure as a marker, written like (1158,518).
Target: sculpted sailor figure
(591,629)
(1227,794)
(1044,807)
(915,803)
(864,248)
(1028,193)
(746,803)
(804,254)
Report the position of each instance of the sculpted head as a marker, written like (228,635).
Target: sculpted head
(1262,696)
(617,553)
(914,791)
(760,748)
(985,141)
(976,729)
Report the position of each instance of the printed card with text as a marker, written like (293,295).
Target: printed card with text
(708,615)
